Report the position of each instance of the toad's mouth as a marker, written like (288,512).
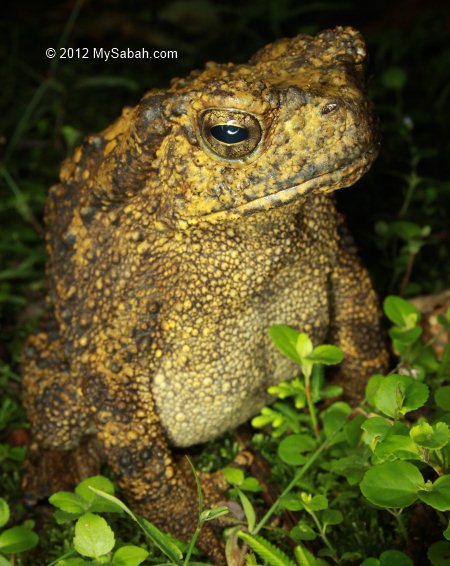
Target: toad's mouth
(325,183)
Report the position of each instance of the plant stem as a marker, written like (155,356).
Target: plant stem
(311,407)
(323,536)
(407,274)
(400,523)
(413,182)
(445,361)
(324,446)
(192,543)
(401,526)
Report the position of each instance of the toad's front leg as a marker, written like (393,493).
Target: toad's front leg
(155,484)
(356,320)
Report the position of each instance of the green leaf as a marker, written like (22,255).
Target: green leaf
(302,531)
(62,517)
(314,503)
(71,562)
(129,556)
(444,418)
(69,502)
(285,389)
(394,78)
(4,561)
(303,346)
(251,484)
(351,467)
(351,556)
(317,381)
(72,136)
(161,540)
(304,557)
(17,539)
(211,514)
(392,484)
(4,512)
(97,504)
(442,397)
(291,502)
(405,336)
(371,562)
(332,517)
(400,312)
(395,558)
(444,320)
(93,536)
(334,417)
(250,560)
(431,437)
(99,482)
(199,497)
(285,339)
(250,514)
(438,495)
(326,552)
(267,416)
(353,430)
(438,553)
(115,500)
(235,476)
(268,552)
(425,361)
(372,387)
(291,448)
(375,429)
(326,354)
(400,394)
(395,447)
(446,533)
(331,391)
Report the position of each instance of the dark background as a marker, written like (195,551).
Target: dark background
(398,213)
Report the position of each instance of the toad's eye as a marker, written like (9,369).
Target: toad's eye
(229,134)
(329,108)
(232,135)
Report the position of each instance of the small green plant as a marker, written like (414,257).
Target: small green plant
(306,389)
(407,239)
(94,538)
(410,460)
(393,450)
(15,539)
(94,541)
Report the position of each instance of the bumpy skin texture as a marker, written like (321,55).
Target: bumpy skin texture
(171,254)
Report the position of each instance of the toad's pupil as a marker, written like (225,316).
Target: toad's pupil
(229,134)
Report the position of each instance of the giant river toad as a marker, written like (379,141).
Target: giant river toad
(176,237)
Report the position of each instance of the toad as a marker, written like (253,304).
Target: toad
(176,237)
